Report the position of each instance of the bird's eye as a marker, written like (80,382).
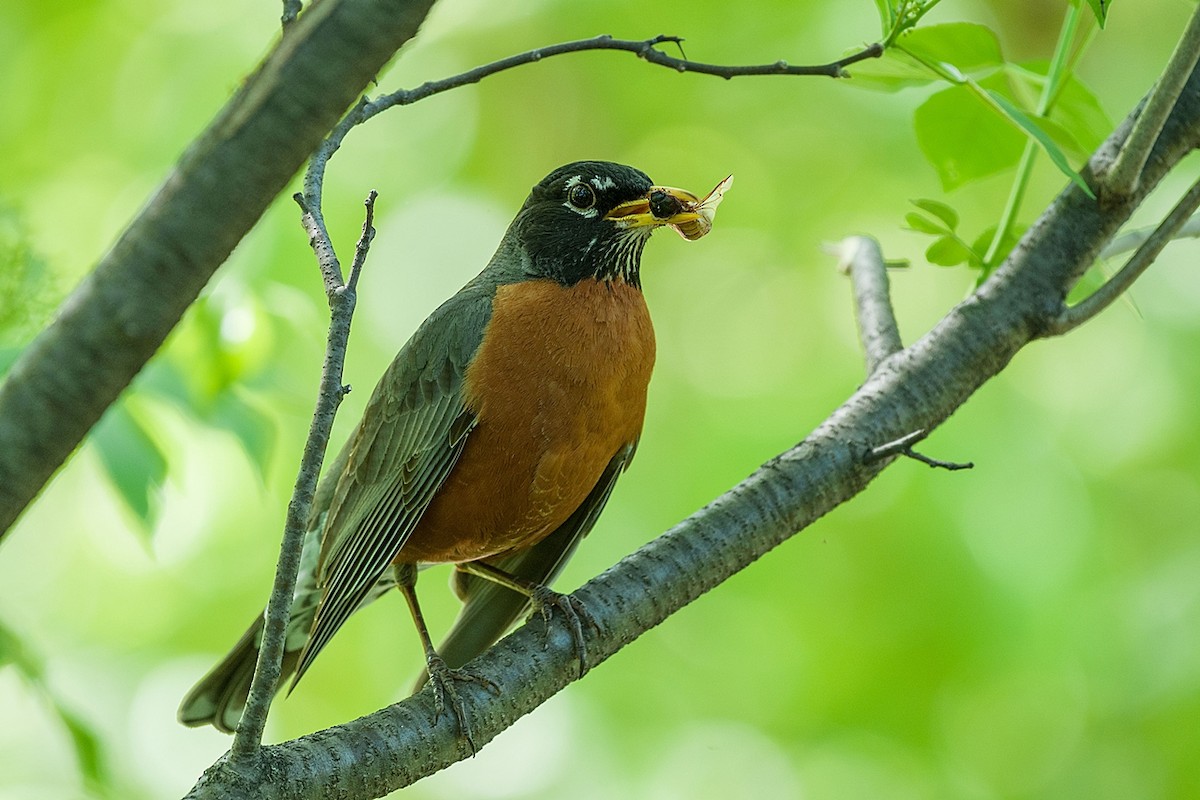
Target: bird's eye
(581,196)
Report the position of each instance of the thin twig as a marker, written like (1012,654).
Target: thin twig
(646,49)
(342,298)
(364,242)
(1123,176)
(1072,317)
(861,259)
(903,447)
(1134,239)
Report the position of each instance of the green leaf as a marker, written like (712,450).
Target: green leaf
(966,45)
(1077,110)
(963,139)
(940,210)
(922,224)
(27,291)
(1043,138)
(87,744)
(948,251)
(89,752)
(972,49)
(1100,9)
(13,651)
(889,73)
(133,461)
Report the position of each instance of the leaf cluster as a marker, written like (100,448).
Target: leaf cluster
(987,116)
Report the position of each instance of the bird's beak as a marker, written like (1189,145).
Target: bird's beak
(661,205)
(666,205)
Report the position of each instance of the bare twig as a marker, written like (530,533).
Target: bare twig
(1134,239)
(903,447)
(936,462)
(342,298)
(646,49)
(1072,317)
(364,242)
(1123,176)
(861,259)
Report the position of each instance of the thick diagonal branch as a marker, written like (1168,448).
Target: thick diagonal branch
(122,312)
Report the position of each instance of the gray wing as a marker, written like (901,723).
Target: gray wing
(490,609)
(411,435)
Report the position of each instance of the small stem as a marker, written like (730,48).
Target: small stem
(1055,80)
(342,299)
(906,19)
(1135,238)
(903,447)
(364,242)
(1072,317)
(646,49)
(1124,174)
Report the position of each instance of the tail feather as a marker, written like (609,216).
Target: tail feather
(220,696)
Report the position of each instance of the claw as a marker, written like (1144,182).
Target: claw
(544,602)
(446,693)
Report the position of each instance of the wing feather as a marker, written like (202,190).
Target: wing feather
(407,443)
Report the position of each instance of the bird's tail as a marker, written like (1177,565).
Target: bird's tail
(219,698)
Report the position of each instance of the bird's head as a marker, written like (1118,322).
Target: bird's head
(591,219)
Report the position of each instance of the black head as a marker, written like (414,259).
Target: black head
(591,219)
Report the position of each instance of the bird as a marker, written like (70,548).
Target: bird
(493,440)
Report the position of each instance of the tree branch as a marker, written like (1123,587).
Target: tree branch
(646,49)
(1072,317)
(342,297)
(904,447)
(1132,240)
(1122,177)
(915,389)
(121,313)
(860,258)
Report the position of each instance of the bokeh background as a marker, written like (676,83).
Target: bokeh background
(1027,629)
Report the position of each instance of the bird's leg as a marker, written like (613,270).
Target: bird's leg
(441,675)
(544,600)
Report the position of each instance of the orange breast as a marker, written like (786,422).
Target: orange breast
(559,387)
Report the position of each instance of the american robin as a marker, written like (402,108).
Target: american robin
(493,440)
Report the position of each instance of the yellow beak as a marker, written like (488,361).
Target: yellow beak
(661,205)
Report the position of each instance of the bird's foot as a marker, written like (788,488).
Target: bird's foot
(445,693)
(545,601)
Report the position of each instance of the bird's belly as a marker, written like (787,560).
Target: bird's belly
(559,387)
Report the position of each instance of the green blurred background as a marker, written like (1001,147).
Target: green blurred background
(1028,629)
